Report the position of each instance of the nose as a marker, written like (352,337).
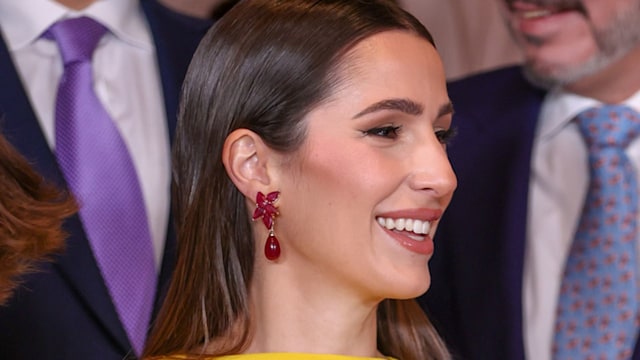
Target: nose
(432,169)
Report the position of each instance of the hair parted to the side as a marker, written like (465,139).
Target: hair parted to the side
(31,216)
(263,67)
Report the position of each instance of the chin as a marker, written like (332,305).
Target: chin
(409,287)
(548,75)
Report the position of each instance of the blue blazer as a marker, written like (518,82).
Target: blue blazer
(475,299)
(64,310)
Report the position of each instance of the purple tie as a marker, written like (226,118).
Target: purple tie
(97,166)
(598,308)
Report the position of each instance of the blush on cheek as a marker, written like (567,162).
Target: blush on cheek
(338,163)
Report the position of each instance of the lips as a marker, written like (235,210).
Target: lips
(422,247)
(540,9)
(411,229)
(539,21)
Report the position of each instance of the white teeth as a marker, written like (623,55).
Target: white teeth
(535,13)
(408,225)
(417,227)
(413,225)
(389,223)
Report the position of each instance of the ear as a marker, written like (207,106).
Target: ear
(245,157)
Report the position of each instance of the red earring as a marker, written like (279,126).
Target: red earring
(268,212)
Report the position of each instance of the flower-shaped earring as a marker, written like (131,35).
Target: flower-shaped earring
(268,211)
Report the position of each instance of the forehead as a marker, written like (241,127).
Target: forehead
(393,64)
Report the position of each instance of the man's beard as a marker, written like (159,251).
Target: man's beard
(619,38)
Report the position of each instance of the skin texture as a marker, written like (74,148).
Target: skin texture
(337,262)
(591,47)
(197,8)
(76,4)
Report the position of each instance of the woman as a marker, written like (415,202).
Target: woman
(31,216)
(325,121)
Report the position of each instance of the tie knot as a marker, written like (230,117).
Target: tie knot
(609,126)
(77,38)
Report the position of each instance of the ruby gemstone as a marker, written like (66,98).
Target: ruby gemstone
(272,248)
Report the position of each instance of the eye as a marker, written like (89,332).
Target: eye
(445,136)
(389,132)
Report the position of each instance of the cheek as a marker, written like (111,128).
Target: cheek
(557,54)
(573,45)
(602,14)
(349,172)
(335,191)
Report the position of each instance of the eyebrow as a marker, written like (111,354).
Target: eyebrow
(403,105)
(445,109)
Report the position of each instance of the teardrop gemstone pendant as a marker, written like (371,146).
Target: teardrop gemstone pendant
(272,247)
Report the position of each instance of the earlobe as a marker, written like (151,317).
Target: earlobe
(244,156)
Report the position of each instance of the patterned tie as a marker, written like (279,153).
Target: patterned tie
(598,303)
(97,166)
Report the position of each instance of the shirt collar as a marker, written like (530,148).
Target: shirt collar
(22,25)
(561,107)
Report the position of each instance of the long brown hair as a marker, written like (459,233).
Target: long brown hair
(31,216)
(262,67)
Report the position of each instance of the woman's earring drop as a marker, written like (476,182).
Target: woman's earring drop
(268,211)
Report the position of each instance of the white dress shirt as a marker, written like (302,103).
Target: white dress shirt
(559,180)
(127,82)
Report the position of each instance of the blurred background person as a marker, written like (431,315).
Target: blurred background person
(545,266)
(471,35)
(89,97)
(326,122)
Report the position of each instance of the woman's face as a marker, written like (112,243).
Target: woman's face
(373,164)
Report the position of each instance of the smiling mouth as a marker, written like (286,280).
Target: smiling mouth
(539,9)
(413,228)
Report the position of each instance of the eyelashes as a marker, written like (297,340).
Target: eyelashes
(445,136)
(388,132)
(391,132)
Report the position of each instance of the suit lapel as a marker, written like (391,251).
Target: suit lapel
(515,223)
(492,153)
(17,119)
(77,265)
(175,45)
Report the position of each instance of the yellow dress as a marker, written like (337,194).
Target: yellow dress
(293,356)
(279,356)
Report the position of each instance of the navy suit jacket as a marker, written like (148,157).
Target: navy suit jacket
(64,310)
(475,299)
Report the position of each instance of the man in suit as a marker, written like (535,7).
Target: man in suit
(523,174)
(65,311)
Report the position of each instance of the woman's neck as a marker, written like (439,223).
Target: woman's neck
(295,312)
